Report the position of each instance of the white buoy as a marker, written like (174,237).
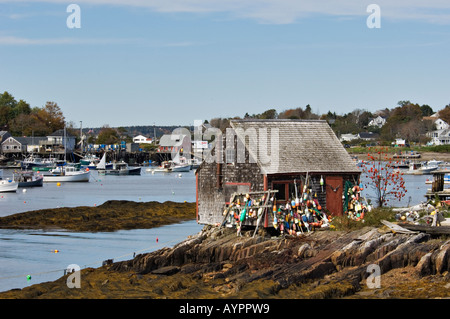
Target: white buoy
(179,175)
(24,190)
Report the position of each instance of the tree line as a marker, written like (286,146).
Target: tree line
(20,119)
(407,120)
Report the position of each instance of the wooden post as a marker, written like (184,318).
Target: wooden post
(438,182)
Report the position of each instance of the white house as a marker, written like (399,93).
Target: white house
(439,137)
(440,124)
(348,137)
(140,139)
(399,142)
(379,121)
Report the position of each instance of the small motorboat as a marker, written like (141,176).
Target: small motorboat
(120,168)
(165,167)
(68,174)
(28,178)
(7,185)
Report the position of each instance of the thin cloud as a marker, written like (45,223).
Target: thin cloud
(285,11)
(13,40)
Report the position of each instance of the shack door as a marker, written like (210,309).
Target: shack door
(334,187)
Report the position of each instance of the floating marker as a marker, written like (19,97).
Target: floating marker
(156,239)
(28,277)
(58,184)
(24,190)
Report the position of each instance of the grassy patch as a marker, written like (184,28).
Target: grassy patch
(372,218)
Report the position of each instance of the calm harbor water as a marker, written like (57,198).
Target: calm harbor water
(31,252)
(146,187)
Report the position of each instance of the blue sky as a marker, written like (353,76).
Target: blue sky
(172,62)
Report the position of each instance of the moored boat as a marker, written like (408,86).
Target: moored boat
(68,174)
(28,178)
(8,185)
(165,167)
(120,168)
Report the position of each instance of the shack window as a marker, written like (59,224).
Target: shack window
(229,154)
(282,188)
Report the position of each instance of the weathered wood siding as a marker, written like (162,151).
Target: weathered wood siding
(216,182)
(212,196)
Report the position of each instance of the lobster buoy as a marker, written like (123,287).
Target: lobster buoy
(242,216)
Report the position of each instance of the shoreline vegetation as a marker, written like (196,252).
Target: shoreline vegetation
(110,216)
(217,264)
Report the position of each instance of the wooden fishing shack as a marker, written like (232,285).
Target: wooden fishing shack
(287,156)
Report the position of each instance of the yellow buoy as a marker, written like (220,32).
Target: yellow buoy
(58,184)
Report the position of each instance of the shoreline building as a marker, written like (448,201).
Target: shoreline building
(283,155)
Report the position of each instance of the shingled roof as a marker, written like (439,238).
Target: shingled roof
(303,146)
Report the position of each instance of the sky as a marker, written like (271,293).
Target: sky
(172,62)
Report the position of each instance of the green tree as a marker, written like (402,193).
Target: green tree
(108,135)
(444,114)
(404,121)
(7,104)
(269,114)
(426,110)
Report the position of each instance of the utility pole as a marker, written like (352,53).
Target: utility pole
(81,136)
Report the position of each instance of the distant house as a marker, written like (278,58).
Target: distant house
(379,121)
(399,142)
(22,144)
(281,155)
(140,139)
(58,141)
(348,137)
(438,123)
(368,136)
(439,137)
(174,143)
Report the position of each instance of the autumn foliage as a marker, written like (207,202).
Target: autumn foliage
(383,176)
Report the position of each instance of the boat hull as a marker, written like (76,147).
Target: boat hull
(181,168)
(8,186)
(38,182)
(128,171)
(80,177)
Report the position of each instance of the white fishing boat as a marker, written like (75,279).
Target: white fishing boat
(180,164)
(180,168)
(33,161)
(8,184)
(120,168)
(165,167)
(68,174)
(429,167)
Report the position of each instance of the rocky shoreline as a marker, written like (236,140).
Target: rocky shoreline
(218,264)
